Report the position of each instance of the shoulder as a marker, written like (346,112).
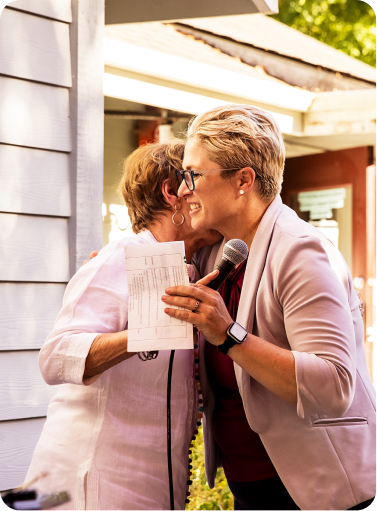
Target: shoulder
(300,248)
(113,252)
(109,265)
(290,227)
(293,235)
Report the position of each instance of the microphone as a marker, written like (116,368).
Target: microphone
(234,252)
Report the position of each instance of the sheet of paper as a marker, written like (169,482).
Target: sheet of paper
(150,270)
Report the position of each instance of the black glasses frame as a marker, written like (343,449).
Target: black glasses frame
(182,175)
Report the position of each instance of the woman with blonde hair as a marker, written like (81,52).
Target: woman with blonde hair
(289,405)
(104,440)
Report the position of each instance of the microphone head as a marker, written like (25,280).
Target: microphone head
(235,251)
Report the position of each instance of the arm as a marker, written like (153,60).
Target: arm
(319,373)
(271,365)
(106,351)
(314,289)
(95,303)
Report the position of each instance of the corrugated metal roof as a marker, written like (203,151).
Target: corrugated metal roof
(266,33)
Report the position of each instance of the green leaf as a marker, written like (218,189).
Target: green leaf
(347,25)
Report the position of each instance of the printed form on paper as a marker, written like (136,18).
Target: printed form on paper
(150,270)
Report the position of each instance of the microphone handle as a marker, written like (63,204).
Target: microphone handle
(225,267)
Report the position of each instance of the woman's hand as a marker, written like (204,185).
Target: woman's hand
(208,278)
(210,317)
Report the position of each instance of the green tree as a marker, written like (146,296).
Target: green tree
(347,25)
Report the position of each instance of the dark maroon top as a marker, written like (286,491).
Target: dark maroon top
(242,453)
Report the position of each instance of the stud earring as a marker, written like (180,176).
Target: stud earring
(241,192)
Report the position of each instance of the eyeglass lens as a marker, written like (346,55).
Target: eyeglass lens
(187,176)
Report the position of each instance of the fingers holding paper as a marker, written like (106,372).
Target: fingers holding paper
(211,316)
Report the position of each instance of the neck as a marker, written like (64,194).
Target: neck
(245,226)
(164,230)
(196,241)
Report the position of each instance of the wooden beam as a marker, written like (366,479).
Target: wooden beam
(341,113)
(123,11)
(87,123)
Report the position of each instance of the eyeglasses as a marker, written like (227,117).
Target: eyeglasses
(189,176)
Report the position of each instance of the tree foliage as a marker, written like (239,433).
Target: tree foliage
(347,25)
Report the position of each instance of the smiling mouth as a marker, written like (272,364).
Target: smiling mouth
(194,207)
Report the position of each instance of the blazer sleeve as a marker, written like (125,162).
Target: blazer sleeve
(319,326)
(95,301)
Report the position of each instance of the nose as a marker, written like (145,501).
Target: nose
(183,190)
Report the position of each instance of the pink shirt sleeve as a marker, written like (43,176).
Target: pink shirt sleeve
(319,326)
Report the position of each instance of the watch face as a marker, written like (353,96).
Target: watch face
(238,332)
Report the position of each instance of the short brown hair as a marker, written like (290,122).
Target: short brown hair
(238,136)
(144,172)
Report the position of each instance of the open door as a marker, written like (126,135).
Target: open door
(335,191)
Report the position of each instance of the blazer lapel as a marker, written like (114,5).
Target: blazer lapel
(253,273)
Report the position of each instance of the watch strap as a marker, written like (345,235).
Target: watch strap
(225,346)
(231,340)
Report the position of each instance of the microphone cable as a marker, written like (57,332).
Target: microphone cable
(170,470)
(235,251)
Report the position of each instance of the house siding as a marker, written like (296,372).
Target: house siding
(50,196)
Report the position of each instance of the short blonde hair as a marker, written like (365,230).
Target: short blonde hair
(144,172)
(238,136)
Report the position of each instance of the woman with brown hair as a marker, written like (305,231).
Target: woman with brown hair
(104,440)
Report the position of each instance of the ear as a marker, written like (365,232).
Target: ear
(170,197)
(246,179)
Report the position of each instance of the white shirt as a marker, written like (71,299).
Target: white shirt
(105,439)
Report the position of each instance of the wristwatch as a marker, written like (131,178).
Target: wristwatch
(236,334)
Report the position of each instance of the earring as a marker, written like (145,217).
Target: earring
(176,213)
(241,192)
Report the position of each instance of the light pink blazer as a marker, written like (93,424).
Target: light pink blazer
(298,294)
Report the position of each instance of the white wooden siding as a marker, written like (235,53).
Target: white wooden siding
(34,115)
(23,392)
(34,48)
(40,237)
(17,443)
(56,9)
(34,181)
(27,313)
(33,248)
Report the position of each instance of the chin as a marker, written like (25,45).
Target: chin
(196,224)
(200,224)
